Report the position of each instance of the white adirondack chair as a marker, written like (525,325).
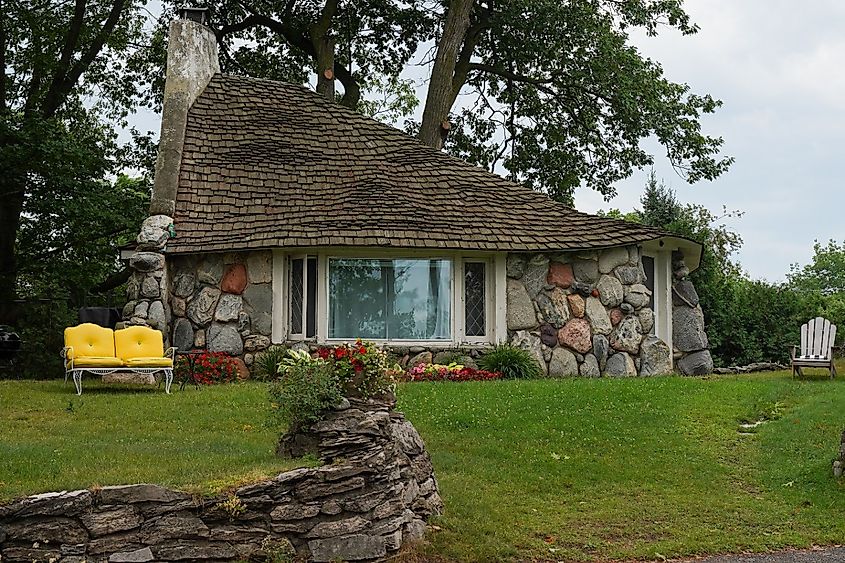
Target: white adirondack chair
(817,338)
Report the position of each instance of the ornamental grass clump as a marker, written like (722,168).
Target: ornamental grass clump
(511,361)
(265,366)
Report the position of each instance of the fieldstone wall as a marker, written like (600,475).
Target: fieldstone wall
(376,495)
(148,286)
(584,313)
(689,338)
(222,302)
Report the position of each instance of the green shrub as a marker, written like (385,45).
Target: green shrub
(265,366)
(511,361)
(304,391)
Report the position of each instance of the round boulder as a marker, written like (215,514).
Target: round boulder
(563,363)
(697,363)
(224,338)
(620,365)
(626,337)
(611,291)
(655,357)
(520,308)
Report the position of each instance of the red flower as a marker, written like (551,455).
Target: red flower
(340,352)
(362,350)
(324,353)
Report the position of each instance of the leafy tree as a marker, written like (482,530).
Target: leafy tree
(823,281)
(68,76)
(549,92)
(68,246)
(825,274)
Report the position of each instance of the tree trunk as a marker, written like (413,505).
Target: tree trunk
(325,66)
(441,93)
(11,206)
(323,44)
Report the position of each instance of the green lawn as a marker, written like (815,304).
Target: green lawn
(596,469)
(576,469)
(199,440)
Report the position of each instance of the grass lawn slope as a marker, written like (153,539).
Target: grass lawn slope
(595,469)
(198,440)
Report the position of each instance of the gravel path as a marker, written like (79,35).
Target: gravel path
(822,555)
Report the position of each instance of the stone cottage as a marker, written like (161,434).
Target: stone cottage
(280,216)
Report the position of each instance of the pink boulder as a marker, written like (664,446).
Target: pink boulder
(234,280)
(576,335)
(560,275)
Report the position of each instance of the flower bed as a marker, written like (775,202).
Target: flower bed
(209,368)
(452,372)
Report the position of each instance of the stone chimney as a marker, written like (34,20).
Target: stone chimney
(191,62)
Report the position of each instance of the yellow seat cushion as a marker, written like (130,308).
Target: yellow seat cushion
(90,340)
(138,342)
(97,362)
(149,362)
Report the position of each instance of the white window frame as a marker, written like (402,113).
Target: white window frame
(289,282)
(496,293)
(662,296)
(489,299)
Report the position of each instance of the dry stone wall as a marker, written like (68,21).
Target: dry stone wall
(584,313)
(222,302)
(377,493)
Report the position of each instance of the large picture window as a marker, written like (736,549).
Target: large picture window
(391,299)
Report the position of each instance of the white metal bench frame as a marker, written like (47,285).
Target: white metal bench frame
(76,371)
(817,338)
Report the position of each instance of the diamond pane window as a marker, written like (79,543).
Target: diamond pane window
(297,289)
(475,310)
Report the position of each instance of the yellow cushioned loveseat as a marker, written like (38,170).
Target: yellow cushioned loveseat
(101,351)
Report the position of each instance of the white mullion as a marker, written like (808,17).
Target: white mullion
(279,326)
(500,300)
(322,309)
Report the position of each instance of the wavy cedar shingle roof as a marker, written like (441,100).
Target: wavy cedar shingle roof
(268,164)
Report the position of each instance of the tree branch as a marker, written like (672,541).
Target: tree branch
(297,38)
(510,75)
(473,36)
(115,280)
(324,48)
(68,49)
(57,96)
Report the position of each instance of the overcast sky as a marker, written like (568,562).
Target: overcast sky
(778,67)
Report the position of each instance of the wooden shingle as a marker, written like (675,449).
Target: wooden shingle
(268,164)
